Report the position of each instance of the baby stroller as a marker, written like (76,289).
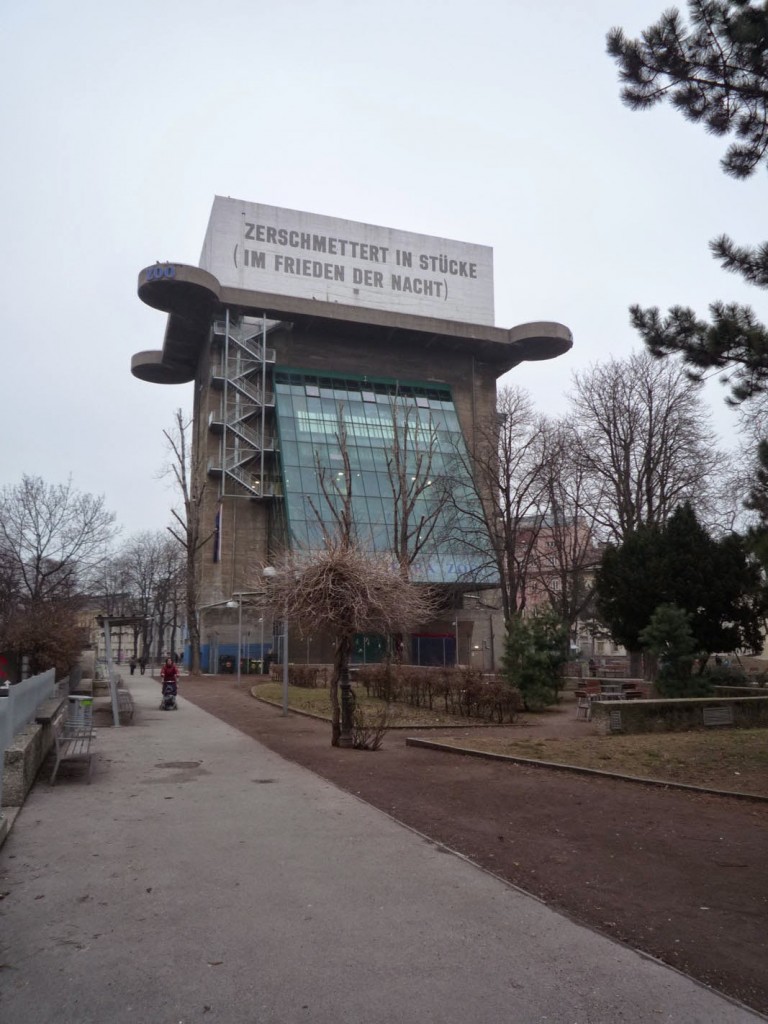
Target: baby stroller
(168,701)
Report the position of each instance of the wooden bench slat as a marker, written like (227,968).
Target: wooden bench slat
(72,742)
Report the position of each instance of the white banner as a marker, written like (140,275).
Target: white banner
(303,255)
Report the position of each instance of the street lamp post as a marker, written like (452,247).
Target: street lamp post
(285,665)
(270,572)
(239,605)
(261,644)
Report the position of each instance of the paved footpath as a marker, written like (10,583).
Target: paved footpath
(202,878)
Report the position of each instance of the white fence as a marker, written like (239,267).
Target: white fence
(18,705)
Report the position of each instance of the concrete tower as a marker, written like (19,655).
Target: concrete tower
(289,318)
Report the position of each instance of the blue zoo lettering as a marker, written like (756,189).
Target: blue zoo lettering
(157,273)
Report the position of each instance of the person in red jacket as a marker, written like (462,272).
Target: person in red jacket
(169,673)
(169,677)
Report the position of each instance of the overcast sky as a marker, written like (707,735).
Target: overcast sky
(497,123)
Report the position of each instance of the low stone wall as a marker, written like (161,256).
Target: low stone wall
(22,763)
(680,714)
(25,756)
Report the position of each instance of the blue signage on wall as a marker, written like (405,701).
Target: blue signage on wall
(158,272)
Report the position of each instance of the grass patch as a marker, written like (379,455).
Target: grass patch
(318,702)
(735,760)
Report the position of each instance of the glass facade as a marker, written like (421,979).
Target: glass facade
(382,419)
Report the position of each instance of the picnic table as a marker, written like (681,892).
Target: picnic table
(605,691)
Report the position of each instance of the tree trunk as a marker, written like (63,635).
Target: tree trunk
(636,665)
(340,664)
(193,626)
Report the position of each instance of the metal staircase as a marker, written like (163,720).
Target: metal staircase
(243,372)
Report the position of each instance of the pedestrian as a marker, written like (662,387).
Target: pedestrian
(169,684)
(592,667)
(143,663)
(132,664)
(169,673)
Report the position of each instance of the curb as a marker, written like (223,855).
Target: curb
(594,772)
(530,762)
(7,818)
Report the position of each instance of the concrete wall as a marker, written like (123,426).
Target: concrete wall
(251,530)
(26,754)
(677,715)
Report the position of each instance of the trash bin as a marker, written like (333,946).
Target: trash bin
(80,712)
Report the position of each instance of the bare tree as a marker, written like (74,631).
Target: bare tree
(113,588)
(170,592)
(500,513)
(53,536)
(187,528)
(52,544)
(567,553)
(409,454)
(150,567)
(340,530)
(48,633)
(10,588)
(735,511)
(417,502)
(645,441)
(343,588)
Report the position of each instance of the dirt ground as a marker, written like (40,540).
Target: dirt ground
(679,875)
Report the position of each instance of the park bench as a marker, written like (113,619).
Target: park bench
(124,704)
(72,742)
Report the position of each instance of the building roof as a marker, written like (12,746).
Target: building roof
(191,297)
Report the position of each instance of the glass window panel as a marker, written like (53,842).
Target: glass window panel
(290,455)
(364,457)
(309,481)
(305,453)
(287,430)
(427,417)
(380,512)
(370,483)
